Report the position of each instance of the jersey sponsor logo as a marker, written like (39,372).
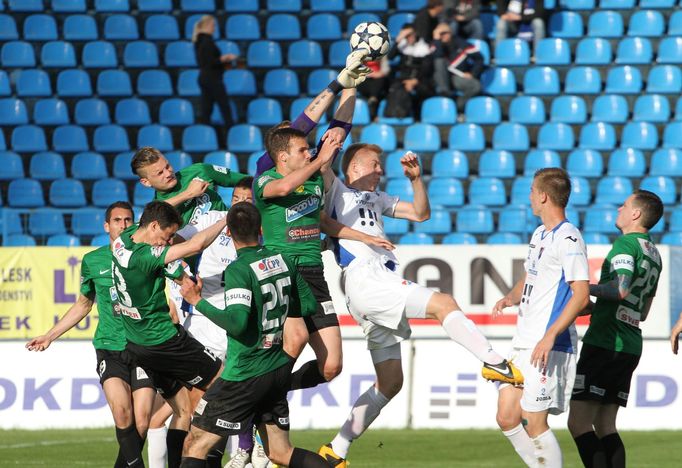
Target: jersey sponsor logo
(221,169)
(623,262)
(130,312)
(270,339)
(238,296)
(597,390)
(141,374)
(283,421)
(203,206)
(195,380)
(572,239)
(328,307)
(629,316)
(269,266)
(102,368)
(579,383)
(101,272)
(227,424)
(543,398)
(173,266)
(200,407)
(302,208)
(264,180)
(303,233)
(157,250)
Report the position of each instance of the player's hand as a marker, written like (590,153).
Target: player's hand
(40,343)
(356,59)
(191,291)
(540,354)
(336,134)
(674,335)
(329,148)
(500,305)
(355,72)
(410,163)
(196,188)
(379,242)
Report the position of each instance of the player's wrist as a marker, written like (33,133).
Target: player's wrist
(334,87)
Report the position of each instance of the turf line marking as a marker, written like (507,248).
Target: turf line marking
(54,442)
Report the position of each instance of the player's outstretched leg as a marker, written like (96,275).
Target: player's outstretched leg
(242,456)
(279,449)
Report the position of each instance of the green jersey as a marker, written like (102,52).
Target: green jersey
(291,224)
(190,210)
(262,288)
(139,278)
(615,324)
(96,280)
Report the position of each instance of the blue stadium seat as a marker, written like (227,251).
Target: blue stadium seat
(132,112)
(319,79)
(397,20)
(305,53)
(672,135)
(47,165)
(489,20)
(601,218)
(392,167)
(143,194)
(3,144)
(57,54)
(17,54)
(578,4)
(19,240)
(617,4)
(395,226)
(380,134)
(70,139)
(67,193)
(198,5)
(581,193)
(13,112)
(161,28)
(675,220)
(639,135)
(40,27)
(626,162)
(223,159)
(324,27)
(634,50)
(176,111)
(514,219)
(422,137)
(651,108)
(395,121)
(240,82)
(100,240)
(33,83)
(337,53)
(99,54)
(154,83)
(646,23)
(46,222)
(400,187)
(593,51)
(110,139)
(10,222)
(158,136)
(264,54)
(610,108)
(439,110)
(566,25)
(613,190)
(112,6)
(662,186)
(74,83)
(244,138)
(585,163)
(482,110)
(527,110)
(92,112)
(449,163)
(25,193)
(553,51)
(241,6)
(63,240)
(483,49)
(80,28)
(89,166)
(541,81)
(120,27)
(569,109)
(361,17)
(459,238)
(487,191)
(369,5)
(251,163)
(475,220)
(284,5)
(50,112)
(512,52)
(511,137)
(122,169)
(540,159)
(192,20)
(582,80)
(675,24)
(28,139)
(595,238)
(520,190)
(12,166)
(299,104)
(466,137)
(242,27)
(598,136)
(199,139)
(665,79)
(8,28)
(498,81)
(446,191)
(140,54)
(666,162)
(179,160)
(281,82)
(503,238)
(496,163)
(282,27)
(438,223)
(409,5)
(228,47)
(107,191)
(670,50)
(4,84)
(416,238)
(624,80)
(604,23)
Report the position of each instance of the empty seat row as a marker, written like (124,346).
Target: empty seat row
(606,23)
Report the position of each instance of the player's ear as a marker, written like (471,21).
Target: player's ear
(144,181)
(106,227)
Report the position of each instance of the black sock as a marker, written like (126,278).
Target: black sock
(130,446)
(174,440)
(615,450)
(591,450)
(308,375)
(215,455)
(120,460)
(302,458)
(189,462)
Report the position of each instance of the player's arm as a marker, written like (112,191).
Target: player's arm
(220,175)
(238,299)
(675,333)
(615,290)
(341,124)
(419,209)
(333,228)
(512,298)
(75,314)
(196,244)
(196,188)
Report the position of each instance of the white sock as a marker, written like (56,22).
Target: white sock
(156,447)
(365,410)
(522,443)
(232,445)
(547,450)
(463,331)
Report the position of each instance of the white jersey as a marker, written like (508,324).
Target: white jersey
(213,260)
(554,259)
(362,211)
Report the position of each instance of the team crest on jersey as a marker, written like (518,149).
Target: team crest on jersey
(203,206)
(318,192)
(172,267)
(302,208)
(300,189)
(650,250)
(270,266)
(221,169)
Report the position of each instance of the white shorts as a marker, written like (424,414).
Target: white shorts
(549,391)
(381,301)
(207,333)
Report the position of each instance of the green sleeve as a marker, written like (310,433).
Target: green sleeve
(260,184)
(174,270)
(233,321)
(220,175)
(150,259)
(87,281)
(623,258)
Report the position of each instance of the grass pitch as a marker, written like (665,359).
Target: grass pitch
(377,448)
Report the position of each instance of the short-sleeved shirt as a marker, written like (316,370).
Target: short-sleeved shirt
(267,286)
(190,210)
(139,278)
(291,224)
(555,258)
(614,325)
(96,279)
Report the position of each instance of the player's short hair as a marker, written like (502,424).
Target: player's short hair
(278,140)
(119,204)
(555,182)
(650,205)
(433,3)
(245,183)
(144,157)
(268,133)
(161,212)
(350,152)
(243,221)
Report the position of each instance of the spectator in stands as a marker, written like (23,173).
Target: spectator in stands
(211,66)
(375,86)
(413,81)
(426,19)
(462,15)
(458,65)
(521,18)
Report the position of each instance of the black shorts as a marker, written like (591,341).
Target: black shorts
(603,375)
(228,408)
(121,365)
(325,315)
(180,358)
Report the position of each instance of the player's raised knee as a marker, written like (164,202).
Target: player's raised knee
(331,370)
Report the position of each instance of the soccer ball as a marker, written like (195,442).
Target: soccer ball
(372,36)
